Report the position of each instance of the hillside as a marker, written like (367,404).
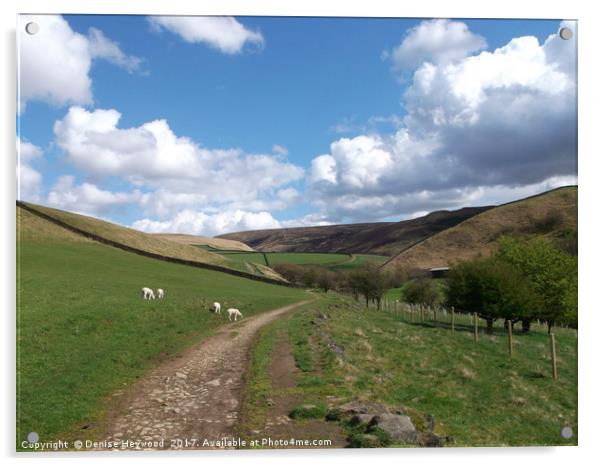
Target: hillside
(552,214)
(134,240)
(215,243)
(84,331)
(385,238)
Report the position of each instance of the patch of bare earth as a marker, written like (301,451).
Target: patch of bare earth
(278,425)
(190,402)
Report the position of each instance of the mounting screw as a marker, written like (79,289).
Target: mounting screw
(566,33)
(32,28)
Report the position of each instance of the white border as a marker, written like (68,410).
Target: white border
(589,243)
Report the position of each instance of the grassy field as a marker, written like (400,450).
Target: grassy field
(476,393)
(330,261)
(358,260)
(83,331)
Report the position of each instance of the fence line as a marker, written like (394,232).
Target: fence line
(431,316)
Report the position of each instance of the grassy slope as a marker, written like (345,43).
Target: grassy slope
(475,392)
(138,239)
(84,331)
(215,243)
(549,214)
(330,261)
(383,238)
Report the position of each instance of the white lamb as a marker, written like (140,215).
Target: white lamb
(147,293)
(233,312)
(217,308)
(160,293)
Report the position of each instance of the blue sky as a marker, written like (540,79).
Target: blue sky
(300,121)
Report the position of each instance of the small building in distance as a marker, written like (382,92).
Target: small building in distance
(438,272)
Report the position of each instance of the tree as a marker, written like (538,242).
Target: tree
(370,282)
(291,272)
(309,276)
(550,271)
(493,289)
(422,290)
(326,280)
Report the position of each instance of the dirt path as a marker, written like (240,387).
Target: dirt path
(191,401)
(278,425)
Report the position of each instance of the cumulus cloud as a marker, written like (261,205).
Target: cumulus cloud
(225,34)
(54,64)
(280,150)
(29,180)
(309,220)
(152,155)
(102,47)
(87,198)
(175,177)
(201,223)
(438,41)
(498,120)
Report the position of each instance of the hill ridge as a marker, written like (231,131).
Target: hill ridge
(381,238)
(503,227)
(118,245)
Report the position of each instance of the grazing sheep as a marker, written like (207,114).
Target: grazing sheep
(147,293)
(217,308)
(160,293)
(234,312)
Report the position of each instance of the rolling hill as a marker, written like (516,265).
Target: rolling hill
(214,243)
(384,238)
(84,332)
(552,214)
(146,244)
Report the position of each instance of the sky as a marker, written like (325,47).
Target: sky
(210,125)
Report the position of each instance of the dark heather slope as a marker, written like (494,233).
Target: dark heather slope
(384,238)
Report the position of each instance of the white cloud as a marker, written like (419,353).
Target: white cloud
(309,220)
(29,180)
(176,174)
(280,150)
(494,122)
(87,198)
(152,155)
(28,151)
(437,41)
(201,223)
(223,33)
(54,64)
(323,169)
(288,196)
(102,47)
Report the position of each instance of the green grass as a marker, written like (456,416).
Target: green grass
(306,258)
(358,260)
(315,380)
(393,294)
(84,331)
(242,257)
(307,411)
(330,261)
(475,391)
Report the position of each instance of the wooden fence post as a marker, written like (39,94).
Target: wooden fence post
(435,313)
(509,337)
(553,343)
(476,328)
(422,314)
(453,315)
